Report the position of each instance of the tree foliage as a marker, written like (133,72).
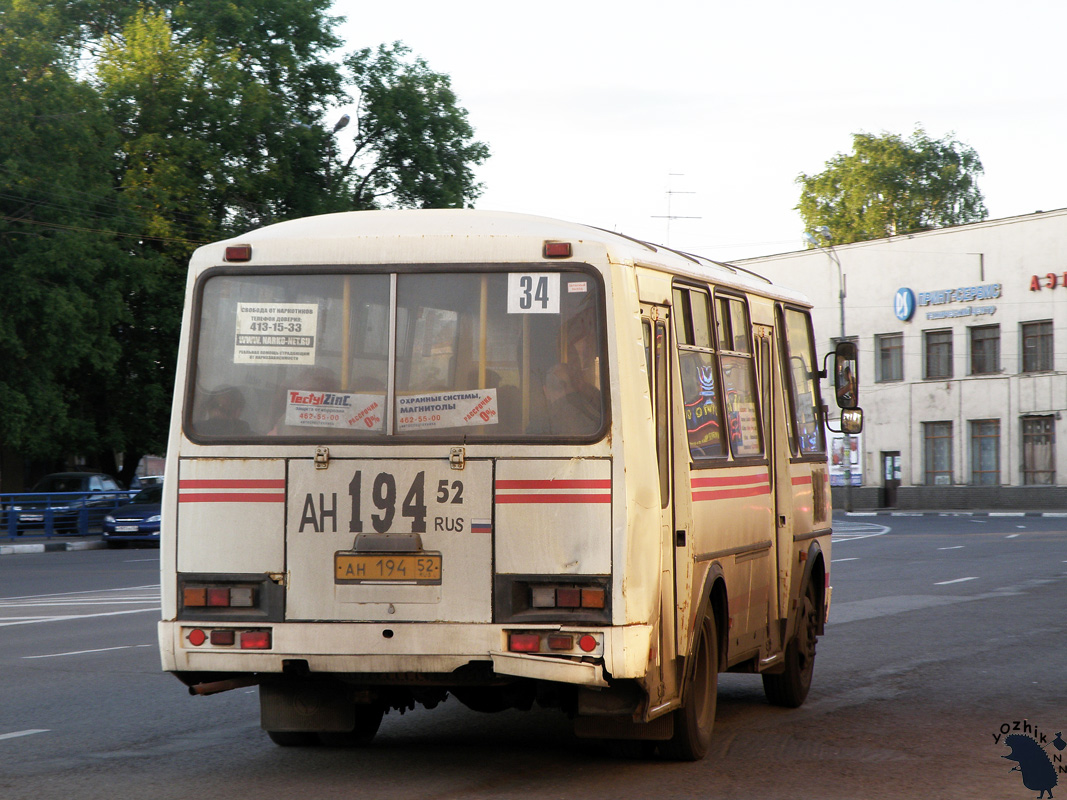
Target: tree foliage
(131,131)
(889,185)
(413,144)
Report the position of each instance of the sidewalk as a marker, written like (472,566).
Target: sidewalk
(51,544)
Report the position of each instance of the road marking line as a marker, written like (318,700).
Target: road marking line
(839,560)
(83,652)
(17,734)
(71,594)
(1012,535)
(956,547)
(957,580)
(1007,513)
(66,617)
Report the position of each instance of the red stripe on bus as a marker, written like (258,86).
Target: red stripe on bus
(554,484)
(219,483)
(731,480)
(229,497)
(803,479)
(726,494)
(553,498)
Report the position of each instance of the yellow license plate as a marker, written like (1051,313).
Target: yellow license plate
(418,568)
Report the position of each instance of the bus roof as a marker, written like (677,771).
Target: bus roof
(467,236)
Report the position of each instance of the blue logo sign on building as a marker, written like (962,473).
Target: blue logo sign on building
(904,304)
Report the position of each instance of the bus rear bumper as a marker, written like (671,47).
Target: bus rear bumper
(377,648)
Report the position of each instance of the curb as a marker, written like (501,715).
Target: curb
(50,547)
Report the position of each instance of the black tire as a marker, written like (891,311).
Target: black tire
(368,720)
(293,738)
(694,720)
(789,688)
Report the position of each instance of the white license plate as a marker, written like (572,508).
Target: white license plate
(31,518)
(126,529)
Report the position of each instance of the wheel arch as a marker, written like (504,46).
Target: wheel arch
(815,570)
(714,598)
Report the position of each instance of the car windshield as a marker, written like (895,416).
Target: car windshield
(61,483)
(150,494)
(471,355)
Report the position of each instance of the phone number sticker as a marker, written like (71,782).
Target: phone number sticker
(272,333)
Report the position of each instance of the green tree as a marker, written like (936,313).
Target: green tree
(889,185)
(413,144)
(62,281)
(133,130)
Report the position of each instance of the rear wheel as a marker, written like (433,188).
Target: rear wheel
(694,720)
(790,687)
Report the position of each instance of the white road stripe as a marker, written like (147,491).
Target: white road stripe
(1012,535)
(17,734)
(74,594)
(66,617)
(956,547)
(83,652)
(838,560)
(957,580)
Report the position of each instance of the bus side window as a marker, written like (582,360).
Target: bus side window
(699,374)
(739,377)
(803,384)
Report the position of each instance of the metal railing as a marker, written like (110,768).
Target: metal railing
(48,514)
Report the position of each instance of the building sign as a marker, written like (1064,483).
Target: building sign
(1049,281)
(905,301)
(904,304)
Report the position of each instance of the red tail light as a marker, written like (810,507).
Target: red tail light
(255,640)
(524,642)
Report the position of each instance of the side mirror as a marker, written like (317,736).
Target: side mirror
(851,420)
(846,375)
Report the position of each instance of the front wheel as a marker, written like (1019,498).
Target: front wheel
(790,687)
(694,720)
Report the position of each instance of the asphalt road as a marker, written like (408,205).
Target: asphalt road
(943,630)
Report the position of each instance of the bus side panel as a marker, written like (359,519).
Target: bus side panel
(553,517)
(222,503)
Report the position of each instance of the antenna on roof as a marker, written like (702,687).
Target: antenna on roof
(670,195)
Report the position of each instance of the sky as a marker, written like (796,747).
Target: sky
(621,114)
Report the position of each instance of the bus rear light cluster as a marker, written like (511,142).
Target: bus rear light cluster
(567,597)
(218,597)
(258,639)
(553,642)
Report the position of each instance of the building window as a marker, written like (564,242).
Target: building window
(1039,451)
(937,452)
(937,346)
(890,348)
(985,452)
(1037,346)
(985,349)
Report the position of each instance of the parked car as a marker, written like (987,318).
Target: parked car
(138,521)
(60,499)
(141,481)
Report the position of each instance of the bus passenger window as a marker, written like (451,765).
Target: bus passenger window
(741,415)
(700,394)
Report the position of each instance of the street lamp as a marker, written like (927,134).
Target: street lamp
(823,239)
(341,123)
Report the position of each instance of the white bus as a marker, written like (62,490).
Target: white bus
(494,457)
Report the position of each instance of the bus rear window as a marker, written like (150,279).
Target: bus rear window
(474,355)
